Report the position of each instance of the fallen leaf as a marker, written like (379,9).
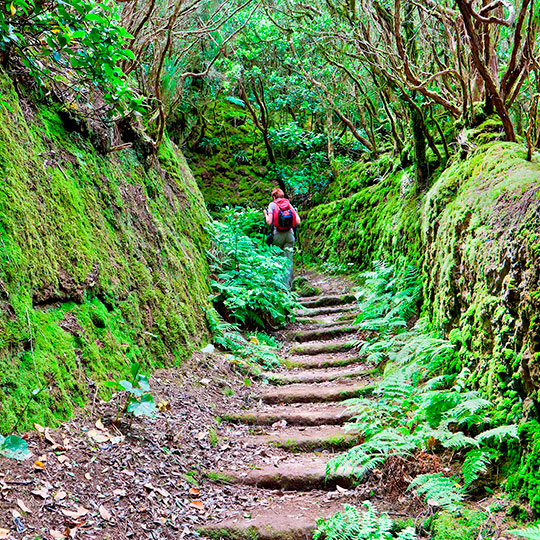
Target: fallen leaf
(163,492)
(119,492)
(99,425)
(98,436)
(48,436)
(201,435)
(39,464)
(15,513)
(198,504)
(194,491)
(104,513)
(62,458)
(23,506)
(164,406)
(42,492)
(88,476)
(75,514)
(60,495)
(39,429)
(57,535)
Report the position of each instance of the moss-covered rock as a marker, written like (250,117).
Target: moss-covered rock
(465,525)
(102,263)
(381,220)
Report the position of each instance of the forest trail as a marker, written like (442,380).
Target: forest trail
(229,457)
(297,424)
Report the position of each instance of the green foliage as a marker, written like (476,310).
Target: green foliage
(250,278)
(14,447)
(388,299)
(438,490)
(77,45)
(260,350)
(351,524)
(419,404)
(532,532)
(139,401)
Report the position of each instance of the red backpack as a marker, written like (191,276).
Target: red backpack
(284,215)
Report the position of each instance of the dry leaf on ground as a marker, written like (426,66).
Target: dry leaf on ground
(22,505)
(104,513)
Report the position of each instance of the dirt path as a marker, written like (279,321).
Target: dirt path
(296,425)
(230,455)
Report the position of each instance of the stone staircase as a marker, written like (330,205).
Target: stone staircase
(298,420)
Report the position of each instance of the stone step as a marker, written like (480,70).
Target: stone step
(305,415)
(319,375)
(323,347)
(322,321)
(331,310)
(327,301)
(320,361)
(282,517)
(327,332)
(315,393)
(297,473)
(307,439)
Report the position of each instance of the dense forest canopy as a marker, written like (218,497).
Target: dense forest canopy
(338,79)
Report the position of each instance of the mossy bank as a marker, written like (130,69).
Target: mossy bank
(102,263)
(475,235)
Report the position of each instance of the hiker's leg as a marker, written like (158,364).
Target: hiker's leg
(285,240)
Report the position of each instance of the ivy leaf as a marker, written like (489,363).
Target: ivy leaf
(14,447)
(145,407)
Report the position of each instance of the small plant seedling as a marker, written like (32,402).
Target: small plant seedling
(213,437)
(139,401)
(14,447)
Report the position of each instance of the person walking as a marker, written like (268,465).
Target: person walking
(283,218)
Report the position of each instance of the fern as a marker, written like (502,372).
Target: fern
(533,532)
(500,433)
(420,403)
(351,524)
(438,490)
(476,462)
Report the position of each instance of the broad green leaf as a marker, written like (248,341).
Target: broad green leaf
(145,407)
(14,447)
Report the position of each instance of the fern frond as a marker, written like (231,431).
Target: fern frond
(533,532)
(438,489)
(500,433)
(476,462)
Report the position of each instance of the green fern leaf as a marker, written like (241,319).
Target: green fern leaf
(533,533)
(476,462)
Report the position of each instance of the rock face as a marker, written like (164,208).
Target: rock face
(102,262)
(482,267)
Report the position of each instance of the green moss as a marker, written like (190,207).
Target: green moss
(220,478)
(100,266)
(378,221)
(251,533)
(463,526)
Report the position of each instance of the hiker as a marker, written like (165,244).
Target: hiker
(282,218)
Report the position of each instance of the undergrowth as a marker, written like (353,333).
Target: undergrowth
(249,354)
(249,278)
(351,524)
(423,403)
